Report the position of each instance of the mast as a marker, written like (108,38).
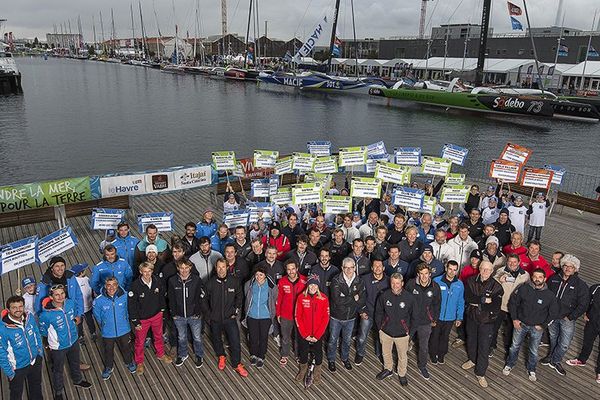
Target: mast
(196,30)
(333,32)
(102,30)
(224,20)
(483,36)
(587,53)
(176,35)
(558,42)
(159,37)
(445,50)
(354,37)
(113,32)
(537,64)
(144,44)
(94,30)
(247,34)
(132,30)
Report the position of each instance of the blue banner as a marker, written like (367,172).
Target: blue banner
(55,243)
(107,218)
(236,218)
(259,188)
(455,153)
(409,197)
(162,220)
(18,254)
(319,148)
(408,155)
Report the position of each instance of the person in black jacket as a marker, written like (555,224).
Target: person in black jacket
(573,298)
(474,224)
(410,247)
(236,265)
(532,307)
(185,291)
(504,228)
(338,247)
(222,306)
(292,230)
(394,313)
(590,332)
(473,199)
(304,257)
(483,296)
(347,300)
(190,241)
(427,311)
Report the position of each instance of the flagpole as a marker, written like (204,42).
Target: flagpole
(587,53)
(537,63)
(562,27)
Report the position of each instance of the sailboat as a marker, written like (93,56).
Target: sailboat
(10,77)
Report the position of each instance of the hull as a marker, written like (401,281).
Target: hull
(322,83)
(10,83)
(235,74)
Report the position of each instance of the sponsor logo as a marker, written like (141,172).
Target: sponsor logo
(429,293)
(402,304)
(508,102)
(160,182)
(194,177)
(135,186)
(292,82)
(388,303)
(540,301)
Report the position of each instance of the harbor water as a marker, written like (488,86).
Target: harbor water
(81,118)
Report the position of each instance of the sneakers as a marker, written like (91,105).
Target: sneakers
(457,343)
(468,364)
(559,368)
(331,366)
(260,363)
(425,373)
(132,367)
(506,370)
(403,381)
(253,360)
(532,376)
(575,363)
(140,369)
(199,362)
(106,374)
(440,360)
(180,360)
(358,360)
(434,359)
(83,385)
(347,365)
(386,373)
(221,363)
(84,366)
(482,381)
(545,360)
(166,359)
(241,370)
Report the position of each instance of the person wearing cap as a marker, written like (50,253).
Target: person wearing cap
(490,193)
(441,249)
(292,230)
(493,254)
(86,291)
(278,240)
(503,228)
(537,216)
(517,213)
(207,226)
(462,245)
(489,215)
(111,265)
(30,290)
(204,259)
(152,237)
(436,268)
(110,310)
(533,259)
(573,299)
(58,324)
(350,231)
(356,220)
(126,244)
(483,296)
(472,268)
(57,274)
(312,319)
(21,360)
(303,257)
(109,239)
(230,204)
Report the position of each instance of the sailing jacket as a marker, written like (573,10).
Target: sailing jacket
(312,315)
(476,293)
(72,290)
(427,301)
(104,269)
(223,298)
(112,314)
(452,305)
(342,303)
(185,297)
(287,296)
(20,344)
(145,302)
(373,288)
(58,324)
(126,248)
(572,294)
(394,313)
(533,306)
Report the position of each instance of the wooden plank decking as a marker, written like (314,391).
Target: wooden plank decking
(568,232)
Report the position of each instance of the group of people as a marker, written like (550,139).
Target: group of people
(316,288)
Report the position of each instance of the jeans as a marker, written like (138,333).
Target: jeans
(365,328)
(519,335)
(590,332)
(258,336)
(336,327)
(534,230)
(422,332)
(561,333)
(505,321)
(479,337)
(438,341)
(58,364)
(33,375)
(195,324)
(288,330)
(155,324)
(124,342)
(230,327)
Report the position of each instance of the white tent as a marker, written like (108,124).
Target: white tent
(592,69)
(186,49)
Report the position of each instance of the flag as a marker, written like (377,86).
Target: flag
(514,9)
(592,52)
(516,25)
(337,50)
(314,39)
(563,50)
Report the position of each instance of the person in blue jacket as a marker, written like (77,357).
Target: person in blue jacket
(451,312)
(58,324)
(111,265)
(110,310)
(220,239)
(21,349)
(125,243)
(57,274)
(207,226)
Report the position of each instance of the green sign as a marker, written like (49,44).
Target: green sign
(44,194)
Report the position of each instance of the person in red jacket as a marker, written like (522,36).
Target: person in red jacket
(278,240)
(312,318)
(516,245)
(290,286)
(534,260)
(473,268)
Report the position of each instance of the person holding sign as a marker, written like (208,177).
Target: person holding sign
(21,360)
(208,225)
(537,216)
(517,214)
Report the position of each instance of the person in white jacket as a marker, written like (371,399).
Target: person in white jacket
(441,248)
(517,213)
(462,245)
(537,216)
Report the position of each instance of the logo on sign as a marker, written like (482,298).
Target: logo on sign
(160,182)
(135,186)
(508,102)
(190,178)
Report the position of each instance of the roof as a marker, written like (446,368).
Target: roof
(592,69)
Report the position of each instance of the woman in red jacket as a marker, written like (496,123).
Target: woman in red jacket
(312,318)
(278,240)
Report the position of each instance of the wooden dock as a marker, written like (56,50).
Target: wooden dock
(569,232)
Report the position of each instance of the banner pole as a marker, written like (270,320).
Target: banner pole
(18,291)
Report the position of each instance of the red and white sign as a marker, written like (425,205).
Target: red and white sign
(515,153)
(537,177)
(506,171)
(246,169)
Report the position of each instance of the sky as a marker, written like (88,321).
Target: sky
(286,18)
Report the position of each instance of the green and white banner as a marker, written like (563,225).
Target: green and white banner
(224,160)
(325,165)
(306,193)
(350,156)
(365,187)
(44,194)
(454,194)
(283,196)
(303,162)
(265,158)
(337,204)
(284,166)
(436,166)
(455,179)
(393,173)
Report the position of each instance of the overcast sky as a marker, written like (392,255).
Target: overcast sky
(286,18)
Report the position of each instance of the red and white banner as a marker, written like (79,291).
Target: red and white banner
(506,171)
(537,177)
(515,153)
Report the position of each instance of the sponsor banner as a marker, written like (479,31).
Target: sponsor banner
(455,153)
(373,160)
(454,194)
(306,193)
(259,188)
(18,254)
(236,218)
(559,172)
(436,166)
(409,197)
(317,36)
(349,156)
(337,204)
(193,177)
(408,155)
(319,148)
(107,218)
(44,194)
(325,165)
(376,149)
(265,158)
(120,185)
(245,168)
(284,165)
(393,173)
(537,177)
(95,187)
(429,205)
(303,162)
(365,187)
(224,160)
(515,153)
(162,220)
(517,105)
(282,197)
(55,243)
(258,211)
(507,171)
(455,179)
(157,182)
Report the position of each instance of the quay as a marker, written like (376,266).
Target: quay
(566,230)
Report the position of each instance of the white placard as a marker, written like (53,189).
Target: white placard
(337,204)
(365,187)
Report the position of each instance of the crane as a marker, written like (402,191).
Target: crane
(223,17)
(422,20)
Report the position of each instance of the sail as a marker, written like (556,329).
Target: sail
(317,37)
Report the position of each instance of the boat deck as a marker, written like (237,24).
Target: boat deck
(569,232)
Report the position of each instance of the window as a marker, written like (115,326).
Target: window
(503,51)
(521,52)
(498,52)
(531,52)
